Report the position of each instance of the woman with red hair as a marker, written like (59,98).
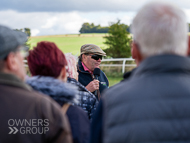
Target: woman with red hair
(48,65)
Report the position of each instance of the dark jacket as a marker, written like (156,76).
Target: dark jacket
(18,102)
(152,106)
(87,100)
(65,93)
(85,78)
(128,74)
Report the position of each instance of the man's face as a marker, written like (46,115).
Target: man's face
(16,64)
(90,62)
(20,70)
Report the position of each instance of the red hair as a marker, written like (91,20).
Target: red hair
(46,59)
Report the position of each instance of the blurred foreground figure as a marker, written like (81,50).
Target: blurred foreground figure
(26,116)
(47,64)
(87,100)
(153,105)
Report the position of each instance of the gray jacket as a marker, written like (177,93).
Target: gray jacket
(152,106)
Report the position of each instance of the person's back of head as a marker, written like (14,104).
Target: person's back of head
(46,59)
(160,28)
(72,66)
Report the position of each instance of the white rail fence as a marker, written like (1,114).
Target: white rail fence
(118,65)
(111,65)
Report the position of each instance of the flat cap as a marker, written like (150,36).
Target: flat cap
(10,40)
(91,48)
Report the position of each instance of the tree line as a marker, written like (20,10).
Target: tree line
(26,30)
(91,28)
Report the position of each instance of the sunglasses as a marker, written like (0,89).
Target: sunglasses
(96,57)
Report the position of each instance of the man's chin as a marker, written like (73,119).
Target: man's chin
(97,66)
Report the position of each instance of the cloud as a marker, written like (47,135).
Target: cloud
(34,32)
(43,23)
(53,23)
(68,5)
(50,22)
(79,5)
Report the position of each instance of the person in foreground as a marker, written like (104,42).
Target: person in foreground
(26,116)
(89,59)
(87,100)
(49,76)
(153,105)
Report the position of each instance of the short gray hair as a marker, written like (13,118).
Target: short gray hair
(160,28)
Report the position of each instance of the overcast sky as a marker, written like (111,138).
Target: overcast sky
(52,17)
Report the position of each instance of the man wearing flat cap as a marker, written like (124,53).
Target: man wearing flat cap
(89,59)
(26,116)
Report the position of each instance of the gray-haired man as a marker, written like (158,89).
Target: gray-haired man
(153,105)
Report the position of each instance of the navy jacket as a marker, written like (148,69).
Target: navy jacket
(85,78)
(152,106)
(64,93)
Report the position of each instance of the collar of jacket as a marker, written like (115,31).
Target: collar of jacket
(12,80)
(58,90)
(128,74)
(163,64)
(80,68)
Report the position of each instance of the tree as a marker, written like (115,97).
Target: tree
(85,28)
(91,28)
(118,41)
(27,31)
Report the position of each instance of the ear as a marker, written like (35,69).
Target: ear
(11,62)
(136,54)
(133,48)
(83,57)
(63,75)
(188,49)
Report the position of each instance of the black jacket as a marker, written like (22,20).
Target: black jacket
(85,78)
(152,106)
(19,104)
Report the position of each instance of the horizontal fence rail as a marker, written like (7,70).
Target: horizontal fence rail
(110,65)
(117,65)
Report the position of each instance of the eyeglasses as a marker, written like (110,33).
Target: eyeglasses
(23,51)
(96,57)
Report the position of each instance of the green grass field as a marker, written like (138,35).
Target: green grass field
(72,43)
(114,80)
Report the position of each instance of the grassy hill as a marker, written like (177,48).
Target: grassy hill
(70,43)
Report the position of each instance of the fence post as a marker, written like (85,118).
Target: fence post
(123,67)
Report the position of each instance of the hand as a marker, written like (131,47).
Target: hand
(93,85)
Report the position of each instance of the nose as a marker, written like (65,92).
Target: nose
(99,60)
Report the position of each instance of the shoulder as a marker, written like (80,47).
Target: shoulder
(119,89)
(77,112)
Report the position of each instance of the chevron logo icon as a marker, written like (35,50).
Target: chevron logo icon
(14,130)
